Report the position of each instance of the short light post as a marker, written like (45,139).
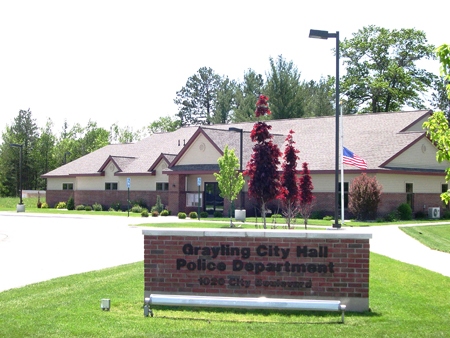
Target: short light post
(318,34)
(241,149)
(20,146)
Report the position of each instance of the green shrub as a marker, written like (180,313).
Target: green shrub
(144,212)
(80,207)
(61,205)
(328,218)
(115,206)
(420,215)
(404,212)
(71,204)
(155,213)
(140,203)
(204,214)
(165,213)
(44,205)
(136,209)
(391,217)
(88,208)
(364,196)
(446,214)
(97,207)
(181,215)
(158,206)
(277,216)
(193,215)
(218,214)
(317,214)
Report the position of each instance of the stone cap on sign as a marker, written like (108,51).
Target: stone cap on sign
(193,232)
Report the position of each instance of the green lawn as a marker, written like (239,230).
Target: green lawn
(436,237)
(405,301)
(9,204)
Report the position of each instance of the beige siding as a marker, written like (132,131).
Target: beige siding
(323,183)
(159,176)
(418,125)
(200,152)
(397,183)
(421,155)
(92,183)
(57,183)
(191,184)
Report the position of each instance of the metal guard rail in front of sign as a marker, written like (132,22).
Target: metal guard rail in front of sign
(243,302)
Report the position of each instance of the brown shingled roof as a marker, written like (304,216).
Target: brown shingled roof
(374,137)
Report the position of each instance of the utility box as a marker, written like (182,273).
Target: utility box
(239,215)
(434,212)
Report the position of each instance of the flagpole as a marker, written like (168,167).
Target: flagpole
(342,166)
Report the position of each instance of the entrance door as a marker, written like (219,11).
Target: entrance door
(213,202)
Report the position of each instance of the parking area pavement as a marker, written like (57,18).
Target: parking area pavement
(36,247)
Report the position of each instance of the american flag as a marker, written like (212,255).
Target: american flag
(351,158)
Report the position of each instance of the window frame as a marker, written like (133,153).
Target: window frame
(112,186)
(164,186)
(67,186)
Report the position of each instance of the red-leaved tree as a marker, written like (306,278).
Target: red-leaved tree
(306,196)
(264,179)
(289,192)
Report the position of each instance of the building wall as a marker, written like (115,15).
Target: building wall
(200,151)
(421,155)
(258,264)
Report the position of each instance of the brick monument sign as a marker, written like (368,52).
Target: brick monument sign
(300,264)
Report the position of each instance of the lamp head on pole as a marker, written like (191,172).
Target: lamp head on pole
(318,34)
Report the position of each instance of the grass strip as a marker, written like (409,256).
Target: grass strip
(436,237)
(405,301)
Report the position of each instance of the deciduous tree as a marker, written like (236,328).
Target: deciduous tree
(306,195)
(289,192)
(437,125)
(382,71)
(229,179)
(264,180)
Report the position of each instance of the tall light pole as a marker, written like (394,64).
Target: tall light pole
(317,34)
(241,131)
(20,168)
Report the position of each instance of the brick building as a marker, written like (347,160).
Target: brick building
(171,165)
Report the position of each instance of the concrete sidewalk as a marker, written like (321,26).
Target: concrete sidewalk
(392,242)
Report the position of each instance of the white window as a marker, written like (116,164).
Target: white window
(192,200)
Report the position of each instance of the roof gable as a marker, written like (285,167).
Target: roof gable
(200,149)
(420,155)
(119,162)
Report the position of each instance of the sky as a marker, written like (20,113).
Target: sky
(122,62)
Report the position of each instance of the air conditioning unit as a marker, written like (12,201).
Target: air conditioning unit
(434,212)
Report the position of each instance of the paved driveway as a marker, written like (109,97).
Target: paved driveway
(35,248)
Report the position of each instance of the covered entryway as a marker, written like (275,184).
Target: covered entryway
(213,201)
